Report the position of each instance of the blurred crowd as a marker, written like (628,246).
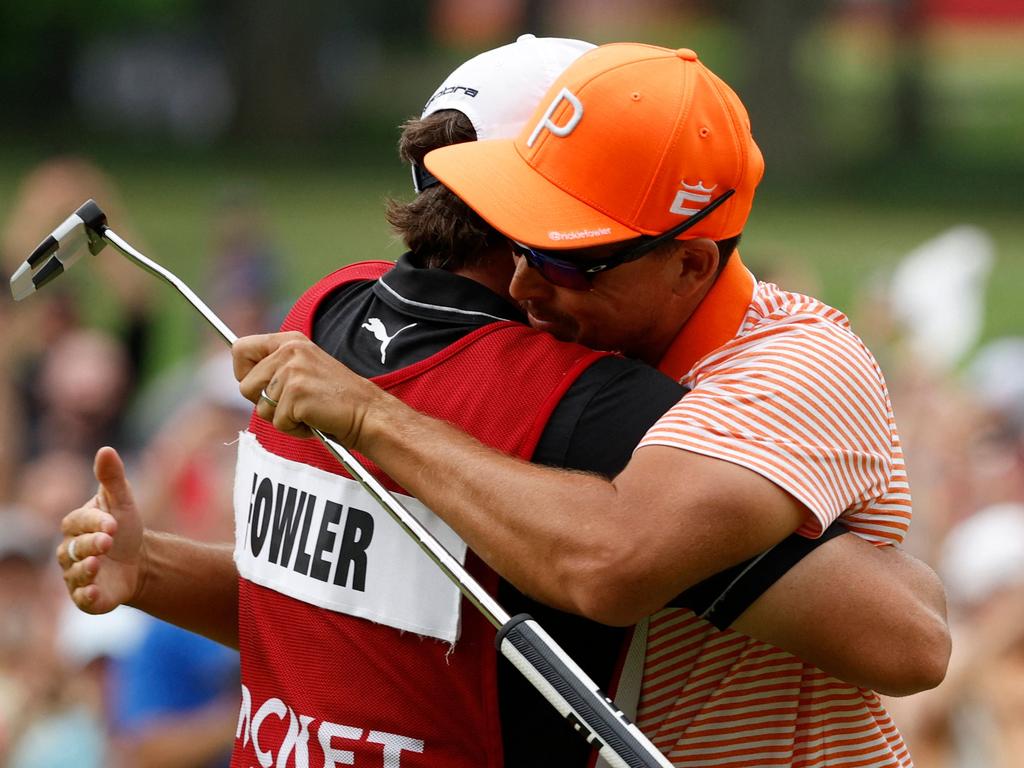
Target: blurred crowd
(127,690)
(960,410)
(121,689)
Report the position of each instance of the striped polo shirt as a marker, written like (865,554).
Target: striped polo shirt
(782,386)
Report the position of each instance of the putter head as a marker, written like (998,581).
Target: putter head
(63,247)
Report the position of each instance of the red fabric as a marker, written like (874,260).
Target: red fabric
(500,384)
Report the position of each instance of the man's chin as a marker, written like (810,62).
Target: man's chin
(559,328)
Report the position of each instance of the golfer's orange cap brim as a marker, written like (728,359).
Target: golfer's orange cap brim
(519,202)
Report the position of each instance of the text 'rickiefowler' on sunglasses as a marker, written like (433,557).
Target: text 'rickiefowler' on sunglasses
(577,274)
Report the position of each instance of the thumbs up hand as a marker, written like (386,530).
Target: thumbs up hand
(102,553)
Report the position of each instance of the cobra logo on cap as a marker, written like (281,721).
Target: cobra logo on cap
(558,130)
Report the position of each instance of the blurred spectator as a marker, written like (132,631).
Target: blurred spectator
(188,419)
(51,711)
(81,390)
(25,635)
(996,379)
(937,421)
(176,700)
(976,717)
(997,375)
(937,295)
(189,462)
(983,556)
(47,195)
(244,274)
(923,316)
(188,466)
(242,287)
(52,484)
(75,725)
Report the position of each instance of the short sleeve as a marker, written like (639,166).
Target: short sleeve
(801,402)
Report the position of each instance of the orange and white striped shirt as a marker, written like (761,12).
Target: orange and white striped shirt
(782,386)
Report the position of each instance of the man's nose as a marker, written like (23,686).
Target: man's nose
(527,283)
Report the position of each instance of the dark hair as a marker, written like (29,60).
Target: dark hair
(437,227)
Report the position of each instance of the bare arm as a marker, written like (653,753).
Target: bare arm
(615,551)
(873,616)
(183,582)
(192,585)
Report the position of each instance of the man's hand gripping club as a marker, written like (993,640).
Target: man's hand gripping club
(311,388)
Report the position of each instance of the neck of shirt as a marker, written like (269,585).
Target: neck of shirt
(716,320)
(437,294)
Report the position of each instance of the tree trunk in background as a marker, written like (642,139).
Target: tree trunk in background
(275,53)
(535,18)
(908,97)
(271,48)
(770,87)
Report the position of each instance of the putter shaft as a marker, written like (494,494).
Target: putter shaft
(524,643)
(451,567)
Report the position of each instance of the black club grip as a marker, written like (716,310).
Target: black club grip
(569,690)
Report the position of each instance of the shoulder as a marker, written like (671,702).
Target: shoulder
(618,388)
(337,299)
(795,340)
(604,414)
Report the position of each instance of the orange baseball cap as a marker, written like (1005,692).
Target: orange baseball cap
(628,141)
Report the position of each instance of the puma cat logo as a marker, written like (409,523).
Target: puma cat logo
(376,327)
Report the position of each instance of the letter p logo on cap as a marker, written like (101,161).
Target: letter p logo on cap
(559,130)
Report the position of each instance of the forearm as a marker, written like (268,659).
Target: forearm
(613,551)
(534,526)
(867,615)
(190,584)
(871,616)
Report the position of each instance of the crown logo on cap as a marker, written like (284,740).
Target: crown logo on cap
(691,193)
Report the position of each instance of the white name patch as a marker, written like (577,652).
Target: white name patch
(320,538)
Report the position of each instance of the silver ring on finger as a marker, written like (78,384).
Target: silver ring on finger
(72,554)
(268,399)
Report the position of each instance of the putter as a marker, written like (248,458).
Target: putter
(520,639)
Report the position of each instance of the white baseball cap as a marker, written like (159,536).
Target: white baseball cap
(498,90)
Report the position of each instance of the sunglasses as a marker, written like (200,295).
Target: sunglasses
(578,274)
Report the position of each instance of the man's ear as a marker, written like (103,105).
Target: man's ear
(698,266)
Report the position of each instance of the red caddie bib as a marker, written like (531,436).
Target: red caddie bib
(355,650)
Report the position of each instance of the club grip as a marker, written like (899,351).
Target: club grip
(577,698)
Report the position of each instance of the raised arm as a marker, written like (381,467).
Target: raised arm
(120,562)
